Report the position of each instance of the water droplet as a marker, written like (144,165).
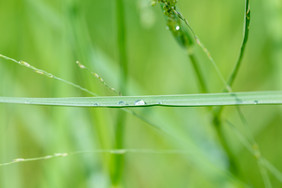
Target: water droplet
(177,28)
(95,104)
(121,103)
(160,103)
(256,101)
(139,103)
(27,102)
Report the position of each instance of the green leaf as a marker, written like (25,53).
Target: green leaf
(189,100)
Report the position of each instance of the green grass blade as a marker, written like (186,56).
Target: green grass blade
(189,100)
(118,160)
(244,43)
(217,114)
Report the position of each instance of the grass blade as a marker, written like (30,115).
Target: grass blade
(189,100)
(244,43)
(118,160)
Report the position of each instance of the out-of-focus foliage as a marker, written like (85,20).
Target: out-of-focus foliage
(54,34)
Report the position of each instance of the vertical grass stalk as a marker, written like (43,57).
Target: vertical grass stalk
(217,120)
(173,20)
(244,43)
(196,67)
(118,160)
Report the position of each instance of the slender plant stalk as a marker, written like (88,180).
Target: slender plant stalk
(121,117)
(244,43)
(98,77)
(195,64)
(217,120)
(183,37)
(217,123)
(47,74)
(121,41)
(217,113)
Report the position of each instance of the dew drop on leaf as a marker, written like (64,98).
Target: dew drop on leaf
(139,103)
(121,103)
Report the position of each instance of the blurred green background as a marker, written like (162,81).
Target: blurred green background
(53,34)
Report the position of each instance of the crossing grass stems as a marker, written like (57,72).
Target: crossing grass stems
(185,38)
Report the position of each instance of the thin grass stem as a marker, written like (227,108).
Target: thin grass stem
(217,112)
(195,64)
(47,74)
(174,17)
(246,30)
(118,160)
(98,77)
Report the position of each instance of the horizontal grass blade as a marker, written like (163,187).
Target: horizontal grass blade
(188,100)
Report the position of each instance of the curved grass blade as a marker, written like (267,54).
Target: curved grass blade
(190,100)
(244,43)
(217,112)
